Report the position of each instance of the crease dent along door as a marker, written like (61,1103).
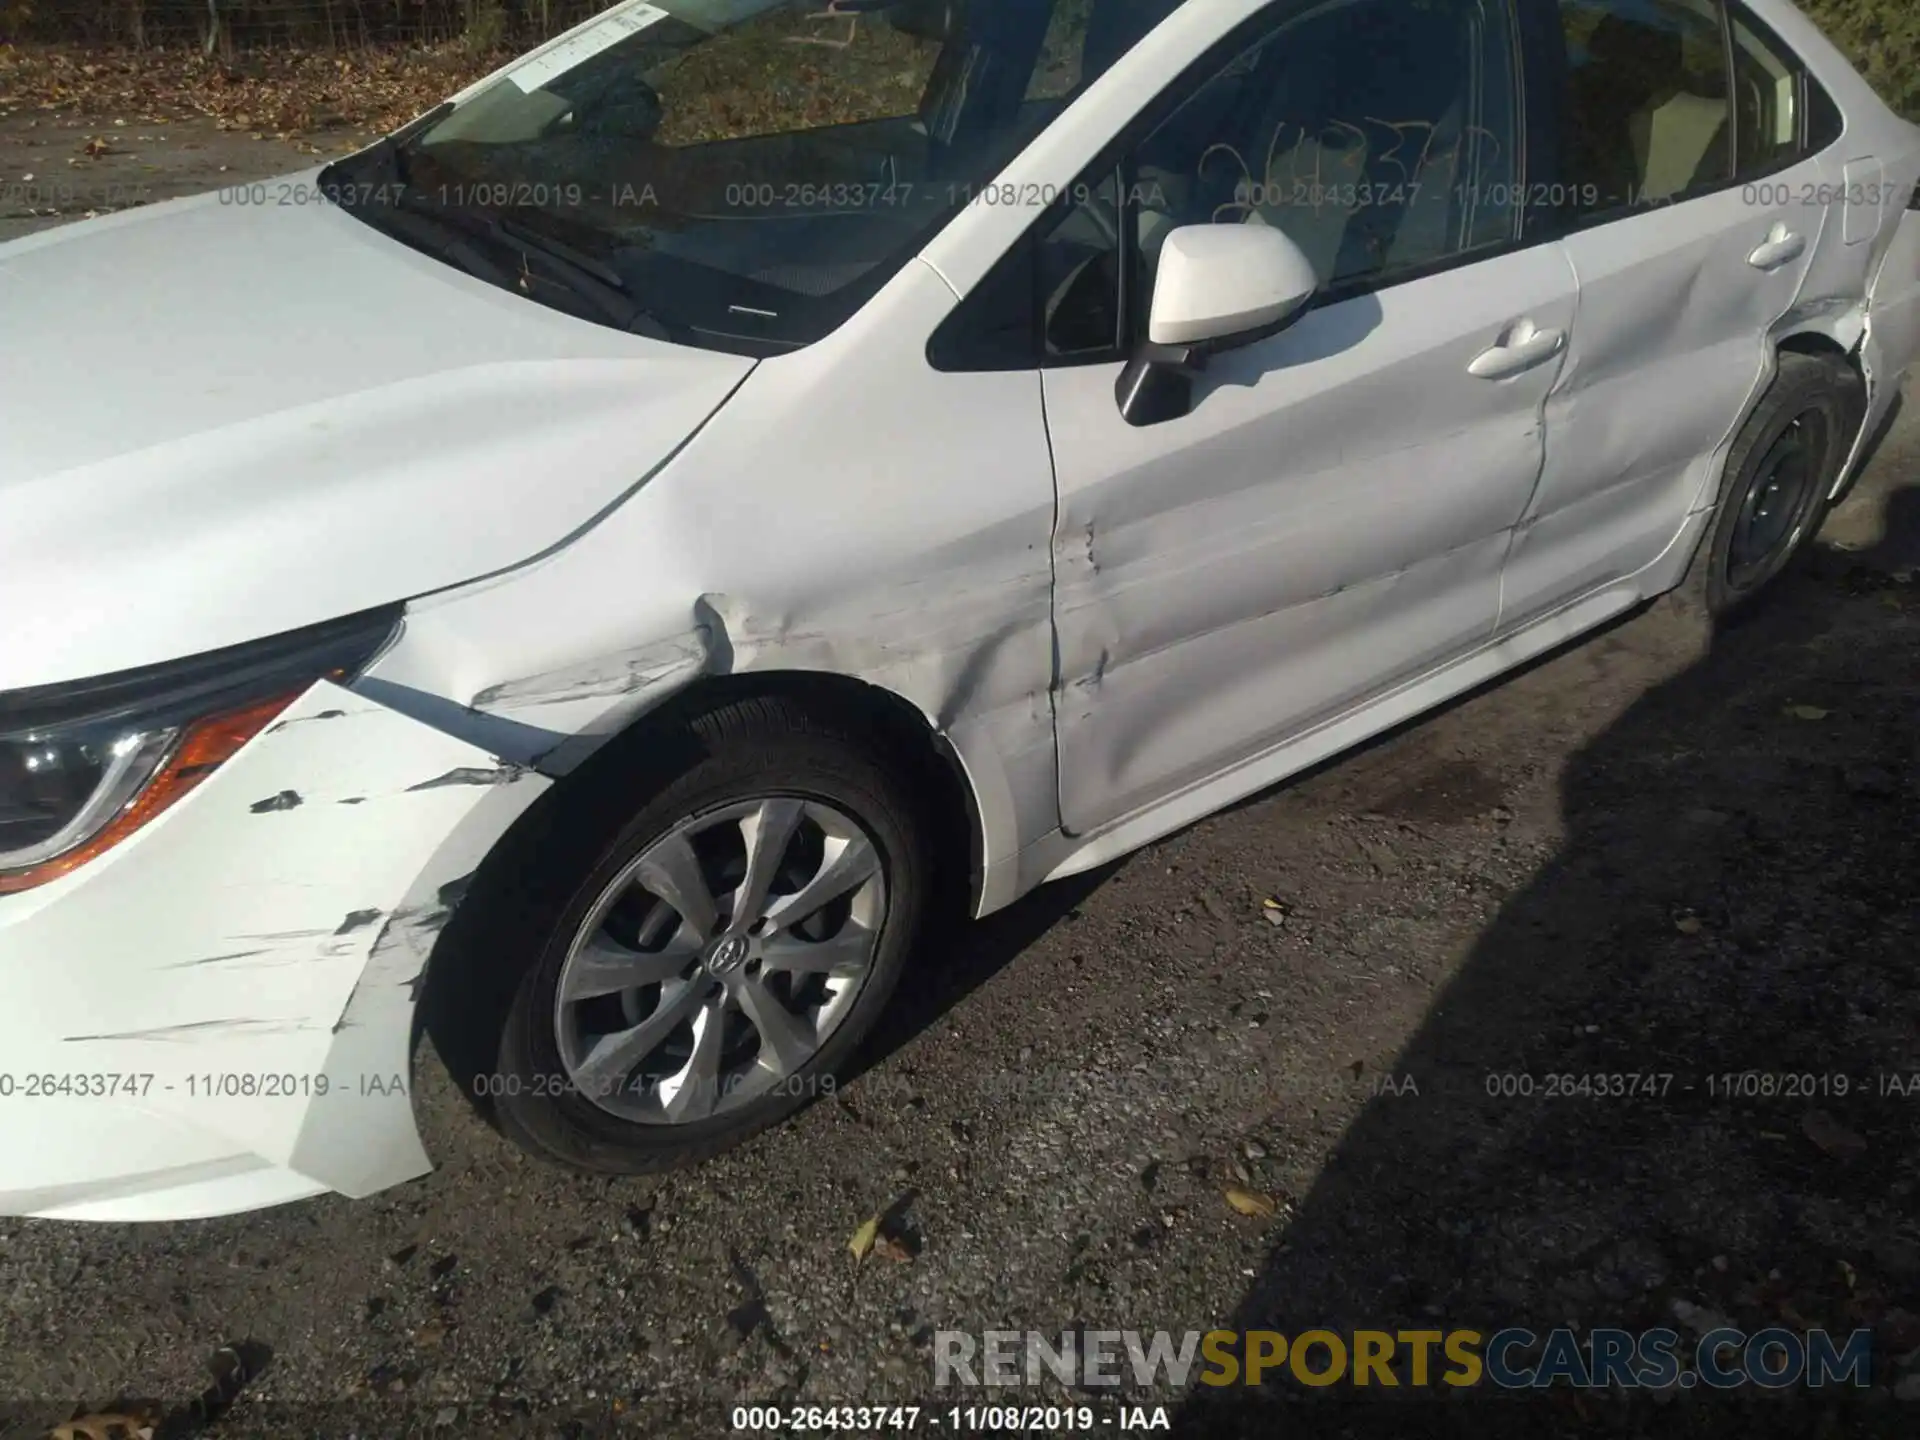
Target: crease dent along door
(1685,267)
(1331,517)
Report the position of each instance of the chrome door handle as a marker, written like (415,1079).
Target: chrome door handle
(1781,246)
(1520,349)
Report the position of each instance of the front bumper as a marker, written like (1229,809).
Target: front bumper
(217,1014)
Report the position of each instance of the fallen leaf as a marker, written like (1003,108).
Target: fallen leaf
(1275,912)
(1831,1136)
(1807,712)
(1250,1202)
(1850,1274)
(864,1237)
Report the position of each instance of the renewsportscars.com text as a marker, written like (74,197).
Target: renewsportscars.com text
(1511,1358)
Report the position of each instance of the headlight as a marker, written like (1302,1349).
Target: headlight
(84,765)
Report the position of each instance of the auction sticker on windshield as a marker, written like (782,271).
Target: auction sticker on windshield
(610,29)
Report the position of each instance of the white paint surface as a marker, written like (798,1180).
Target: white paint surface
(273,416)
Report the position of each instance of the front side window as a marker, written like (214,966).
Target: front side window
(737,173)
(1380,136)
(1646,119)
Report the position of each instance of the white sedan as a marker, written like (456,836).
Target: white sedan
(611,563)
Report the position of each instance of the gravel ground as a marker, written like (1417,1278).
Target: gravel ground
(1659,851)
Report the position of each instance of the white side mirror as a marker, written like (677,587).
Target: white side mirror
(1219,283)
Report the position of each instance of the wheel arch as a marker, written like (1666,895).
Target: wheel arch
(955,810)
(466,987)
(1827,344)
(623,762)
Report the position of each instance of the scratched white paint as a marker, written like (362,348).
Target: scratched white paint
(857,513)
(221,941)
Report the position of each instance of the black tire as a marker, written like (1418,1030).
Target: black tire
(747,747)
(1801,430)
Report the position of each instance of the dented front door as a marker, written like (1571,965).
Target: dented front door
(1329,520)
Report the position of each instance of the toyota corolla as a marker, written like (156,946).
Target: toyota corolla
(747,475)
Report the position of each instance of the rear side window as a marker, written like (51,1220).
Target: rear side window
(1781,115)
(1645,117)
(1664,100)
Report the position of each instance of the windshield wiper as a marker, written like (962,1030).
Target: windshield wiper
(598,284)
(426,228)
(592,279)
(563,256)
(450,232)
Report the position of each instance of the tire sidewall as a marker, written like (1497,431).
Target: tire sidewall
(535,1101)
(1803,384)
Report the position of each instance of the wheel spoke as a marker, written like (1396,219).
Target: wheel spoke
(767,833)
(671,870)
(845,956)
(696,1089)
(613,1056)
(786,1041)
(848,865)
(601,967)
(710,962)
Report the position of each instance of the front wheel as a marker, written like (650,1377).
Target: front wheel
(729,947)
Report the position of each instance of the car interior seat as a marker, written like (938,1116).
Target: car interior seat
(1362,138)
(1638,132)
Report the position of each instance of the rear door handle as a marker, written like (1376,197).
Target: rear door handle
(1521,348)
(1781,246)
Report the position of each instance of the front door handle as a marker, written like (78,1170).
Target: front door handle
(1521,348)
(1780,247)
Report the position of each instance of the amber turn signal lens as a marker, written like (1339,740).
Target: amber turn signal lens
(203,748)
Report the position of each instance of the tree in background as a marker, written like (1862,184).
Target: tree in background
(1883,37)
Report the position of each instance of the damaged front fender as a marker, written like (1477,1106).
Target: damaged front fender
(217,1014)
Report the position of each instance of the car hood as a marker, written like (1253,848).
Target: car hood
(219,421)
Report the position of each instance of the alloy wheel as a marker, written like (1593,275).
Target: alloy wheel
(720,959)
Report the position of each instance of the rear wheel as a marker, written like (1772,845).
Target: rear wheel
(723,952)
(1782,467)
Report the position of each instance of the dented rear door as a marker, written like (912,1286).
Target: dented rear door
(1689,253)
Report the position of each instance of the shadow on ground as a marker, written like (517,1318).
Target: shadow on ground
(1736,896)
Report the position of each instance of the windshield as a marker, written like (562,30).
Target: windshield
(745,172)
